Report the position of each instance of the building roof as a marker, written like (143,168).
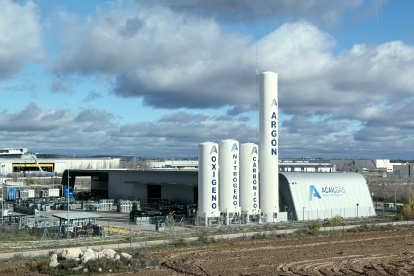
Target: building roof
(76,215)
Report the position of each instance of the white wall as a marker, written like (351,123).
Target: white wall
(95,164)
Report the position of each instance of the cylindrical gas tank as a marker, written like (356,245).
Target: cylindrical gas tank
(249,178)
(229,176)
(268,151)
(208,180)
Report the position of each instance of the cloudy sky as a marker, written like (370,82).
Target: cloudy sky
(156,78)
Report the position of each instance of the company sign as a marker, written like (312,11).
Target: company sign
(326,191)
(234,150)
(214,190)
(255,177)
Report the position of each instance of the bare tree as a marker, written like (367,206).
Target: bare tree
(145,164)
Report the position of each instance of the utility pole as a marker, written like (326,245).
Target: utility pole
(67,228)
(395,194)
(2,195)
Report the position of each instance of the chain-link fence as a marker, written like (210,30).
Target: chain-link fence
(180,230)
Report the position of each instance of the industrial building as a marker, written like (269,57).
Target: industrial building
(318,196)
(236,182)
(383,165)
(228,185)
(19,160)
(285,165)
(302,195)
(403,170)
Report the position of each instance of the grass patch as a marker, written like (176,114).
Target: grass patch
(11,234)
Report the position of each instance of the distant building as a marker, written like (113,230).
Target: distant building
(12,152)
(28,163)
(364,165)
(285,165)
(404,170)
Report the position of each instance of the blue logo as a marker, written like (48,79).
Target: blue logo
(234,147)
(313,192)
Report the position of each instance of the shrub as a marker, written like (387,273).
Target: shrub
(16,258)
(370,227)
(141,259)
(202,236)
(43,267)
(67,264)
(305,231)
(407,211)
(335,221)
(315,225)
(259,236)
(105,264)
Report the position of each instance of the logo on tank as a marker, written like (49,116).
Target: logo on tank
(234,147)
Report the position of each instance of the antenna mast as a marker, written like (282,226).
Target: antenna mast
(257,94)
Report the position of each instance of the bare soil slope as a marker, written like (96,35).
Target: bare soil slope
(369,253)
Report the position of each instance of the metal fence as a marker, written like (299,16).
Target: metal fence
(178,230)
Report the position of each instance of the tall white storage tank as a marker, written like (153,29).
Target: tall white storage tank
(249,178)
(268,150)
(229,176)
(208,184)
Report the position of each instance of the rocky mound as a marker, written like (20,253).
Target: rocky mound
(96,261)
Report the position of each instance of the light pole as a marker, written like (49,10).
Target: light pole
(395,194)
(67,227)
(2,195)
(357,209)
(303,217)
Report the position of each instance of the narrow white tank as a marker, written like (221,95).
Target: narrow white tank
(229,176)
(208,197)
(268,150)
(249,178)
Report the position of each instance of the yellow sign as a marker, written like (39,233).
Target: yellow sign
(22,165)
(119,230)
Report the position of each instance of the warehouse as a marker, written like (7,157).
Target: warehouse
(178,185)
(302,195)
(310,196)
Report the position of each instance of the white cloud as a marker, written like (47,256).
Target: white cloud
(186,60)
(94,131)
(324,12)
(33,118)
(20,39)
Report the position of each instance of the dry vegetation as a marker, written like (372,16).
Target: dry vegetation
(362,250)
(385,188)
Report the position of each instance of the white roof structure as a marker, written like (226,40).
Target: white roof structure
(76,215)
(311,196)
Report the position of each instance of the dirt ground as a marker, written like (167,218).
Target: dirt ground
(370,253)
